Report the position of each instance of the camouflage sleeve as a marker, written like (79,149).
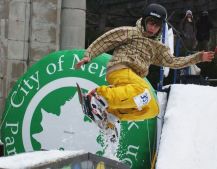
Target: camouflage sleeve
(107,42)
(164,58)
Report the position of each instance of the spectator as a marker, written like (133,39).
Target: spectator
(188,31)
(203,26)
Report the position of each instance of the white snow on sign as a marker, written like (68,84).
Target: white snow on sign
(30,159)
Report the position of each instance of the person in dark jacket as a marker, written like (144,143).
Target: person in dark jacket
(203,26)
(188,31)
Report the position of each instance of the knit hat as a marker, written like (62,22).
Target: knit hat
(188,12)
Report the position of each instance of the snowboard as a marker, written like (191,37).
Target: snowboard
(106,125)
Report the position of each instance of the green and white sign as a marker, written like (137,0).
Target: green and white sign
(43,112)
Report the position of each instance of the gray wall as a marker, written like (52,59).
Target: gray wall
(73,18)
(30,29)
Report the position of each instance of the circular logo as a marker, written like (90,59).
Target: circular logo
(43,112)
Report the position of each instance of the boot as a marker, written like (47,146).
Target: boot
(98,105)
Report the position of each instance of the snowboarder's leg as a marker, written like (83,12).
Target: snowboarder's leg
(149,111)
(128,92)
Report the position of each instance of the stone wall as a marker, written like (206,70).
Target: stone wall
(3,50)
(73,18)
(29,29)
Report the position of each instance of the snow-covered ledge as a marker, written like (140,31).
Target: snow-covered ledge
(189,135)
(58,159)
(36,158)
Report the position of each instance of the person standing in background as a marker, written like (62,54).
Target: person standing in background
(203,26)
(188,31)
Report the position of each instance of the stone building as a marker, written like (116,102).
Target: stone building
(30,29)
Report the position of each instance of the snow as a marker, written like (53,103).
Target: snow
(27,160)
(162,98)
(189,134)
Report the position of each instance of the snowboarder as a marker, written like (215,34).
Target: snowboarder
(128,95)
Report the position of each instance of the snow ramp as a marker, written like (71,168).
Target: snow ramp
(189,133)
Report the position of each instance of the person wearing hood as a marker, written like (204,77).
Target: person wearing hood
(188,31)
(128,96)
(203,25)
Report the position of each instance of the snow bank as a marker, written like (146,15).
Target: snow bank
(189,134)
(27,160)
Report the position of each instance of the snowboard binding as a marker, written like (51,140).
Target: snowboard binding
(94,107)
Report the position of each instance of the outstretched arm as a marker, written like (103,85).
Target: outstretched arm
(207,56)
(166,59)
(104,43)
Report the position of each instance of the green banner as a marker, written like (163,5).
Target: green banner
(43,112)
